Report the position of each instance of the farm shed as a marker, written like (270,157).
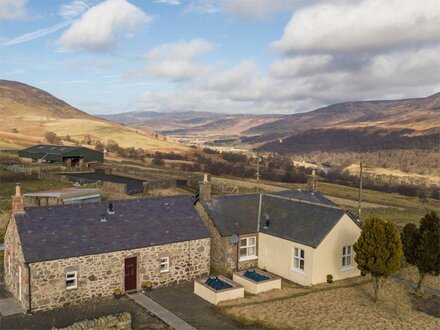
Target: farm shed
(70,156)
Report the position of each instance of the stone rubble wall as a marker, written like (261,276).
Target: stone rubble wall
(114,187)
(120,321)
(99,275)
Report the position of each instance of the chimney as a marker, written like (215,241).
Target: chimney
(312,182)
(205,189)
(17,200)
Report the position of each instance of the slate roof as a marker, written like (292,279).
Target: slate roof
(64,231)
(298,216)
(297,221)
(234,214)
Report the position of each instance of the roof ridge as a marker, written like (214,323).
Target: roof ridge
(306,202)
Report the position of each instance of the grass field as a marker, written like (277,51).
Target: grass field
(345,304)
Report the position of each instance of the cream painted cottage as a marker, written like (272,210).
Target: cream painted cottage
(299,235)
(56,255)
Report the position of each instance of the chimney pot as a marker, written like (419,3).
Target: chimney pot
(17,200)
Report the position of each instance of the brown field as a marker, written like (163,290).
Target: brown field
(399,176)
(328,307)
(410,273)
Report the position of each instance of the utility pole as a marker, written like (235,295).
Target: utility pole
(258,170)
(360,191)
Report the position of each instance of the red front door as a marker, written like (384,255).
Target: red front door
(130,274)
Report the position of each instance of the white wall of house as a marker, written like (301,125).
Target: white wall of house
(276,255)
(328,255)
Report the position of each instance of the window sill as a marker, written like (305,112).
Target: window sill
(248,258)
(347,268)
(72,288)
(164,271)
(297,270)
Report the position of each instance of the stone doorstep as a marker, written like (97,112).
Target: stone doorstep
(10,306)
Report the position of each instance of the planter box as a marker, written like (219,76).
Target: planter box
(254,287)
(215,296)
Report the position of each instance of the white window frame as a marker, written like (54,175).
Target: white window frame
(74,278)
(247,246)
(347,256)
(296,260)
(165,261)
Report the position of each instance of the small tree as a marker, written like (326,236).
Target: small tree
(51,137)
(421,246)
(378,251)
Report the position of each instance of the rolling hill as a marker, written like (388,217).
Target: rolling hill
(28,113)
(419,114)
(192,122)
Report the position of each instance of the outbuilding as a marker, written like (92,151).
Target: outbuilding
(71,156)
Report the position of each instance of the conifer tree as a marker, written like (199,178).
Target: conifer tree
(378,251)
(421,246)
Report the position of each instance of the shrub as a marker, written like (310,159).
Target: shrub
(330,278)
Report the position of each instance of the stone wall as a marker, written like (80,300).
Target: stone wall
(159,184)
(120,321)
(14,265)
(114,187)
(218,255)
(99,275)
(224,254)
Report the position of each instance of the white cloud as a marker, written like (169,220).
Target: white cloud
(178,60)
(202,7)
(97,28)
(73,9)
(169,2)
(361,26)
(257,9)
(300,66)
(11,10)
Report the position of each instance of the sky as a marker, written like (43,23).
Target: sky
(233,56)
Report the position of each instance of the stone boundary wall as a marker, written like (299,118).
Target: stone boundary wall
(114,187)
(120,321)
(159,184)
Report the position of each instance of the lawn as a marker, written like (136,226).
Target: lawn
(346,305)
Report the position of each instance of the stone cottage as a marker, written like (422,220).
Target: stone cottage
(299,235)
(56,255)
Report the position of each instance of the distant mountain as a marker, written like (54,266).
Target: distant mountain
(419,114)
(27,113)
(192,122)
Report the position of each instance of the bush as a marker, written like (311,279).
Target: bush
(51,137)
(330,278)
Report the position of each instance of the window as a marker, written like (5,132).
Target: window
(248,248)
(71,280)
(298,260)
(346,256)
(164,264)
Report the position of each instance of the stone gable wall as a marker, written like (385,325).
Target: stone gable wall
(14,254)
(99,275)
(223,253)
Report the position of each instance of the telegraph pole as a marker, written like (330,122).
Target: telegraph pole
(258,170)
(360,191)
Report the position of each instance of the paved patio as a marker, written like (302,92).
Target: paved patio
(10,306)
(180,300)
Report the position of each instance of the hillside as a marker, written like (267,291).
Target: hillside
(419,114)
(192,122)
(28,113)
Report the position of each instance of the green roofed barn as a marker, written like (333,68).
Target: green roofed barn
(70,156)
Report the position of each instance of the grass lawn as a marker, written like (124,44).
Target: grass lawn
(344,305)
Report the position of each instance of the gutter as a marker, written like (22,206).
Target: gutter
(29,311)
